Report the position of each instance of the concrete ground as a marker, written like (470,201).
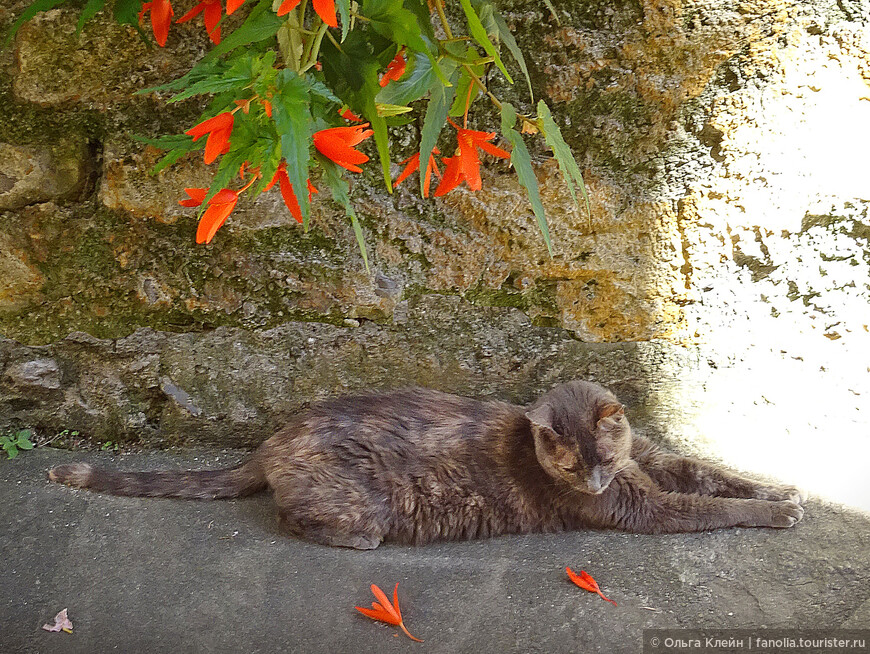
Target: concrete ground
(146,575)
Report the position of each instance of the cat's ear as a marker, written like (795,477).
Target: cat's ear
(541,416)
(610,415)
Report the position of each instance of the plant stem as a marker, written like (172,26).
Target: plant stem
(311,60)
(439,7)
(477,80)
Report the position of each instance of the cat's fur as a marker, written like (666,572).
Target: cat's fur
(417,465)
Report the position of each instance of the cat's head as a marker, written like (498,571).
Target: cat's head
(582,436)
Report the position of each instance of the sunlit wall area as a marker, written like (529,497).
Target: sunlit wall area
(777,256)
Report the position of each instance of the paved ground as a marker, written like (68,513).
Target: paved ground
(145,576)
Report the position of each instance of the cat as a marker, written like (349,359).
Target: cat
(416,465)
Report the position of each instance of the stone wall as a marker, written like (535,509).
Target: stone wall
(723,146)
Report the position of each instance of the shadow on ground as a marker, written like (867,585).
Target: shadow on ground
(150,575)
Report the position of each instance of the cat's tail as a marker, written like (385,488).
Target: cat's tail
(241,480)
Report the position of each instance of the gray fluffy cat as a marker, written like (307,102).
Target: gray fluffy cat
(417,465)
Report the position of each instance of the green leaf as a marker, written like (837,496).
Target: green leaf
(202,70)
(169,159)
(127,13)
(353,73)
(30,12)
(505,35)
(564,157)
(92,8)
(318,88)
(23,442)
(292,115)
(11,451)
(261,24)
(390,19)
(413,85)
(436,116)
(465,85)
(334,179)
(390,110)
(522,163)
(343,7)
(478,31)
(177,144)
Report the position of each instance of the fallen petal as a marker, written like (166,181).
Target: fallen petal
(61,623)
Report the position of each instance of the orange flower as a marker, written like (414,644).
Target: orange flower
(586,582)
(324,8)
(336,143)
(414,164)
(465,164)
(212,9)
(232,5)
(218,130)
(347,114)
(196,196)
(267,107)
(219,209)
(161,18)
(385,612)
(395,69)
(287,191)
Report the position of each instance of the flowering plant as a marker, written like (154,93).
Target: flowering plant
(298,86)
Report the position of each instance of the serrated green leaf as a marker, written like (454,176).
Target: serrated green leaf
(169,159)
(92,8)
(261,24)
(343,7)
(399,24)
(353,73)
(413,85)
(505,35)
(564,157)
(211,86)
(436,115)
(522,163)
(126,12)
(291,112)
(11,451)
(390,19)
(317,87)
(478,31)
(334,179)
(30,12)
(202,70)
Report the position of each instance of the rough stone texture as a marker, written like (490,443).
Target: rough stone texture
(220,577)
(726,272)
(30,175)
(232,387)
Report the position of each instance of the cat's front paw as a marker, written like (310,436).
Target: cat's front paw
(785,513)
(780,493)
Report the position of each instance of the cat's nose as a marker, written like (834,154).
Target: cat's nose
(595,482)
